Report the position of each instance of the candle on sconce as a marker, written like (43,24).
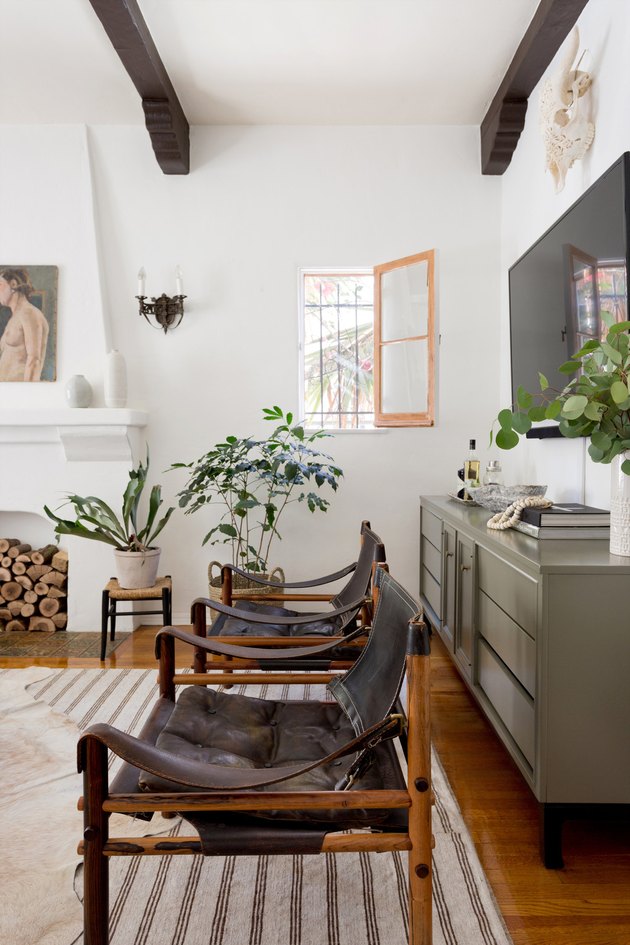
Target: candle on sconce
(141,281)
(179,284)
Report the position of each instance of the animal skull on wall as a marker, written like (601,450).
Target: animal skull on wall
(566,130)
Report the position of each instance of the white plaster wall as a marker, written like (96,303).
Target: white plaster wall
(530,206)
(260,203)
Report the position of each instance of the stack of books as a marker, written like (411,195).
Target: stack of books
(565,520)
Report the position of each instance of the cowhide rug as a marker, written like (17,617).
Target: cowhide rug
(40,823)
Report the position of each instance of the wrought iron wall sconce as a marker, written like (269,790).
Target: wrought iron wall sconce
(167,311)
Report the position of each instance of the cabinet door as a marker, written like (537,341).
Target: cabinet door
(464,607)
(449,583)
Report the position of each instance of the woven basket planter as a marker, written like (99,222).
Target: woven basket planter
(241,587)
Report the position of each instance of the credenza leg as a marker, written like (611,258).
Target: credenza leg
(551,819)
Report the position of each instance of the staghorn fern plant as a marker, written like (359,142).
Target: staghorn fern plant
(95,519)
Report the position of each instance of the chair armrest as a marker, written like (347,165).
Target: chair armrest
(250,617)
(213,645)
(326,579)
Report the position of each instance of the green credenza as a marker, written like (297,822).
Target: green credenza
(540,632)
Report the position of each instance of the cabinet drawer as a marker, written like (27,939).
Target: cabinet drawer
(511,589)
(514,646)
(431,527)
(514,706)
(430,588)
(431,559)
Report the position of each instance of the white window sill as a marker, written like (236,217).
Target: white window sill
(364,432)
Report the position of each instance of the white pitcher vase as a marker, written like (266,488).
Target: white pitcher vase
(620,507)
(115,387)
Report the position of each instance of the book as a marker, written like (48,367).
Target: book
(570,533)
(562,514)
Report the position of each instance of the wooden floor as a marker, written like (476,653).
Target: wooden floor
(586,903)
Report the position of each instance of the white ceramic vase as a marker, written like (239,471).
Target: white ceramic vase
(115,386)
(136,569)
(620,507)
(78,391)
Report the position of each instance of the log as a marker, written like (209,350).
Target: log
(6,543)
(19,567)
(60,620)
(24,582)
(26,559)
(53,577)
(11,590)
(36,571)
(48,606)
(5,613)
(27,610)
(15,606)
(5,575)
(60,561)
(16,625)
(41,589)
(16,550)
(30,597)
(52,591)
(41,623)
(5,561)
(44,555)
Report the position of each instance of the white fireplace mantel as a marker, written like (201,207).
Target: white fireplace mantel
(90,434)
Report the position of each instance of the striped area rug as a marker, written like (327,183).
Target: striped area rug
(350,899)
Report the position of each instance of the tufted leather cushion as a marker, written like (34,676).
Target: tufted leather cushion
(226,729)
(225,626)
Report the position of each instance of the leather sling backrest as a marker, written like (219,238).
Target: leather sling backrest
(369,690)
(372,549)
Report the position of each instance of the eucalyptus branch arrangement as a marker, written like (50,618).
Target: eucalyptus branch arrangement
(253,481)
(94,519)
(594,403)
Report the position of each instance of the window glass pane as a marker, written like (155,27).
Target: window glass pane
(404,302)
(338,350)
(404,377)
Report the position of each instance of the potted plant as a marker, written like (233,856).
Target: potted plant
(595,403)
(253,481)
(136,557)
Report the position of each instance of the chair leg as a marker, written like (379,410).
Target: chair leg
(112,616)
(167,613)
(104,618)
(419,774)
(95,835)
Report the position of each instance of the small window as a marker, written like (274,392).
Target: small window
(338,349)
(368,345)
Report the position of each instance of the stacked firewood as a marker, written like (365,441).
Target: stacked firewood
(33,592)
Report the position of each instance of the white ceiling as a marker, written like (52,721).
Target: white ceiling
(266,61)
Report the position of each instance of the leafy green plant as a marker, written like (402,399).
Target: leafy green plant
(594,403)
(95,519)
(254,480)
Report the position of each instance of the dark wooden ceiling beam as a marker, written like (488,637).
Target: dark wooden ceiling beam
(164,116)
(505,119)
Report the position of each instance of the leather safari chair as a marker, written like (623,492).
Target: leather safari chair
(260,621)
(256,776)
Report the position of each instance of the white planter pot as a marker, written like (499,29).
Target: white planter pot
(136,569)
(620,507)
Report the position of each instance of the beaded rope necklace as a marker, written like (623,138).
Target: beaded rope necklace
(512,514)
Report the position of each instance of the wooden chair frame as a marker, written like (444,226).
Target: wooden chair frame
(99,801)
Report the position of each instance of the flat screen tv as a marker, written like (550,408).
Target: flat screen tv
(559,287)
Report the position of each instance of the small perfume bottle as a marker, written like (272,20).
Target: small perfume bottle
(493,475)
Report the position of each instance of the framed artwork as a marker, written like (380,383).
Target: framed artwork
(28,323)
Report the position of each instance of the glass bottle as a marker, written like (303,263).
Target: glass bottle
(493,475)
(472,468)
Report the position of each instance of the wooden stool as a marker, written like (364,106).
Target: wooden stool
(113,592)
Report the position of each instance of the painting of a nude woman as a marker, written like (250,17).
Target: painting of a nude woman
(27,344)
